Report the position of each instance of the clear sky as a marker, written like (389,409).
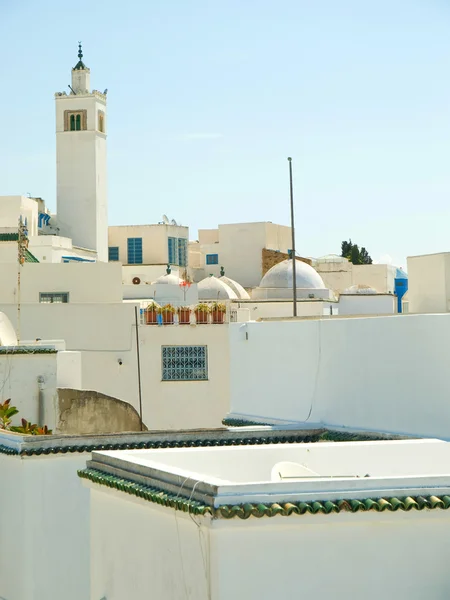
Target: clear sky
(207,99)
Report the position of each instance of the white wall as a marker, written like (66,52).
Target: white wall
(166,404)
(52,248)
(367,304)
(136,550)
(340,276)
(19,375)
(241,245)
(429,283)
(85,282)
(13,207)
(82,326)
(331,556)
(44,546)
(284,308)
(381,373)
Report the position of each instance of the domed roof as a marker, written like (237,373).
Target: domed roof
(280,276)
(236,287)
(212,288)
(333,258)
(169,279)
(361,289)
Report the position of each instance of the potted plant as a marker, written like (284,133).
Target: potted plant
(201,313)
(184,315)
(150,313)
(167,311)
(218,310)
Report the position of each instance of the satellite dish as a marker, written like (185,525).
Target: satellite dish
(165,219)
(173,222)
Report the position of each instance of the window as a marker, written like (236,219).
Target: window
(135,251)
(182,252)
(173,250)
(184,363)
(113,253)
(212,259)
(75,120)
(101,121)
(54,297)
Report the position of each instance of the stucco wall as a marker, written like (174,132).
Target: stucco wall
(85,282)
(166,404)
(381,373)
(429,283)
(19,374)
(43,498)
(367,304)
(89,412)
(332,556)
(136,549)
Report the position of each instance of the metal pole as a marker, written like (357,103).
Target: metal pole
(294,272)
(138,356)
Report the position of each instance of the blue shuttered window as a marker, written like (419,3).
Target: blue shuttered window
(135,251)
(212,259)
(113,253)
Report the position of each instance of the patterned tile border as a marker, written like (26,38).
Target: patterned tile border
(284,509)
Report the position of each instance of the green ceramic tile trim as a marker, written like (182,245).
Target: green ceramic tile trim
(146,492)
(284,509)
(243,423)
(13,350)
(30,258)
(9,237)
(301,438)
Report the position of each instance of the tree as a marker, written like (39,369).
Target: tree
(356,256)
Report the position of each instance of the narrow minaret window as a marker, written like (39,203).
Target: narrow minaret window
(72,122)
(101,121)
(78,123)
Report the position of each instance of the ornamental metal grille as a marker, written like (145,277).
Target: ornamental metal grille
(184,363)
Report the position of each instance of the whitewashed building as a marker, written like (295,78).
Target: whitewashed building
(238,248)
(261,522)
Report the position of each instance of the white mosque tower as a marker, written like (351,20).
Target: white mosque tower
(82,200)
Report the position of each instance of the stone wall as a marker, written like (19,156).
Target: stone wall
(270,258)
(83,412)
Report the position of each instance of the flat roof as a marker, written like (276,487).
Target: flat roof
(280,475)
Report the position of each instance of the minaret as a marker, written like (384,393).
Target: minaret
(82,201)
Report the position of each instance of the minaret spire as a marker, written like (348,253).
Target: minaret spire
(80,64)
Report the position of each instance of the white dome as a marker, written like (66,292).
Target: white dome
(7,334)
(280,276)
(360,289)
(236,287)
(212,288)
(333,258)
(169,279)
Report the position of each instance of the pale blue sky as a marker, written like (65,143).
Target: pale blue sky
(207,99)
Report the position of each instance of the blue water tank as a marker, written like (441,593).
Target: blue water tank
(401,287)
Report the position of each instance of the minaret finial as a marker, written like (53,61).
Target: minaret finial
(80,51)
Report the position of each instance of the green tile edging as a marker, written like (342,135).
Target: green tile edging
(230,422)
(202,443)
(281,438)
(245,511)
(12,350)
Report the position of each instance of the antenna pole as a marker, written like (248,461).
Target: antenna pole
(294,271)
